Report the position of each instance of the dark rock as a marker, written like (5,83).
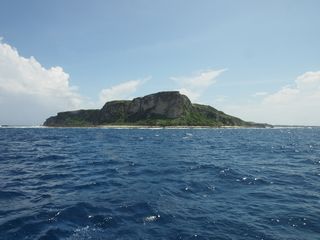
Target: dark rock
(159,105)
(115,111)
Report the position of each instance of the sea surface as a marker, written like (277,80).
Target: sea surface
(222,184)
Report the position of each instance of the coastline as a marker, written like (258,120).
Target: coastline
(127,127)
(164,127)
(158,127)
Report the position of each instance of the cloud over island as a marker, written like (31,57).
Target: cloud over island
(194,86)
(121,91)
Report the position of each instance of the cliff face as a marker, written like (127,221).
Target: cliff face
(114,111)
(163,105)
(159,109)
(160,105)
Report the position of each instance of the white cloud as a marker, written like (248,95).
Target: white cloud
(304,92)
(121,91)
(195,85)
(29,93)
(298,103)
(259,94)
(309,80)
(192,95)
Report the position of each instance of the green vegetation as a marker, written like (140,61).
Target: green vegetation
(80,118)
(199,115)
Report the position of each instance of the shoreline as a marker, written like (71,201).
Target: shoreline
(126,127)
(154,127)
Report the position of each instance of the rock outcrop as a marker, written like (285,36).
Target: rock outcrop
(158,109)
(163,105)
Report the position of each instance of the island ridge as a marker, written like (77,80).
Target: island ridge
(168,108)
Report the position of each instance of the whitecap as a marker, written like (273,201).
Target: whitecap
(151,218)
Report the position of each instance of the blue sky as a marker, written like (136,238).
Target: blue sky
(244,57)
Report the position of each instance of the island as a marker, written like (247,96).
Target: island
(162,109)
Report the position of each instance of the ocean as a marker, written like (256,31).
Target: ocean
(221,184)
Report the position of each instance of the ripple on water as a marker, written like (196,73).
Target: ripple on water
(159,184)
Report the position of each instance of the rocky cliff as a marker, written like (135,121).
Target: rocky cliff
(158,109)
(163,105)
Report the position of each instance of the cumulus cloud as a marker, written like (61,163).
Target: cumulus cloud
(29,93)
(294,104)
(194,86)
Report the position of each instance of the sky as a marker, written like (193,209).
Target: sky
(257,60)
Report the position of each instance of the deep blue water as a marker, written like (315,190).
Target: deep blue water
(159,183)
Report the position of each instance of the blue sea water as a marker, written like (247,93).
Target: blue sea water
(60,183)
